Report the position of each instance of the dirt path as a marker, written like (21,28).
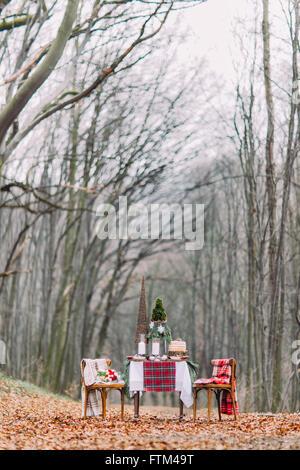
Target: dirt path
(43,422)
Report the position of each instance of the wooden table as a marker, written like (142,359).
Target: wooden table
(136,400)
(159,376)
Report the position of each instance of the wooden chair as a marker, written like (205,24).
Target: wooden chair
(104,389)
(217,389)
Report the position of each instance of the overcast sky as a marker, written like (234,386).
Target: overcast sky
(211,24)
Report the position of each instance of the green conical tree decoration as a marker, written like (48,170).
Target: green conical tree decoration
(159,313)
(158,327)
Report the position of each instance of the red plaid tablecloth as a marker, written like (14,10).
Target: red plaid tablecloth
(159,376)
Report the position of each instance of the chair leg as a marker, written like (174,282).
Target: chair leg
(218,395)
(103,396)
(195,404)
(122,403)
(233,403)
(85,403)
(209,393)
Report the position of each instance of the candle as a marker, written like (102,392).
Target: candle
(155,348)
(142,348)
(142,345)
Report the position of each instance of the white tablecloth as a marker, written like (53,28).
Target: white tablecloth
(182,381)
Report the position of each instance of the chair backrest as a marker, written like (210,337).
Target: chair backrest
(225,369)
(106,363)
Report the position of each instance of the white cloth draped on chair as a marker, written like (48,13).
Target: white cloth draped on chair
(90,377)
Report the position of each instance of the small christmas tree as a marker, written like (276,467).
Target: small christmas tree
(158,327)
(159,313)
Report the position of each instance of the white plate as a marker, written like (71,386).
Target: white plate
(177,358)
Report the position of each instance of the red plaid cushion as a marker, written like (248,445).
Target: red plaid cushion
(221,375)
(222,370)
(159,376)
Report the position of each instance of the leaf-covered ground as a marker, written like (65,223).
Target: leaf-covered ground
(30,419)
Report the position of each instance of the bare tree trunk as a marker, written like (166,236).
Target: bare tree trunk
(270,166)
(33,83)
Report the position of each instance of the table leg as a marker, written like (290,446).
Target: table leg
(136,404)
(180,409)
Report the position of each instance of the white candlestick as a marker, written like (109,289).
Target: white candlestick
(142,348)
